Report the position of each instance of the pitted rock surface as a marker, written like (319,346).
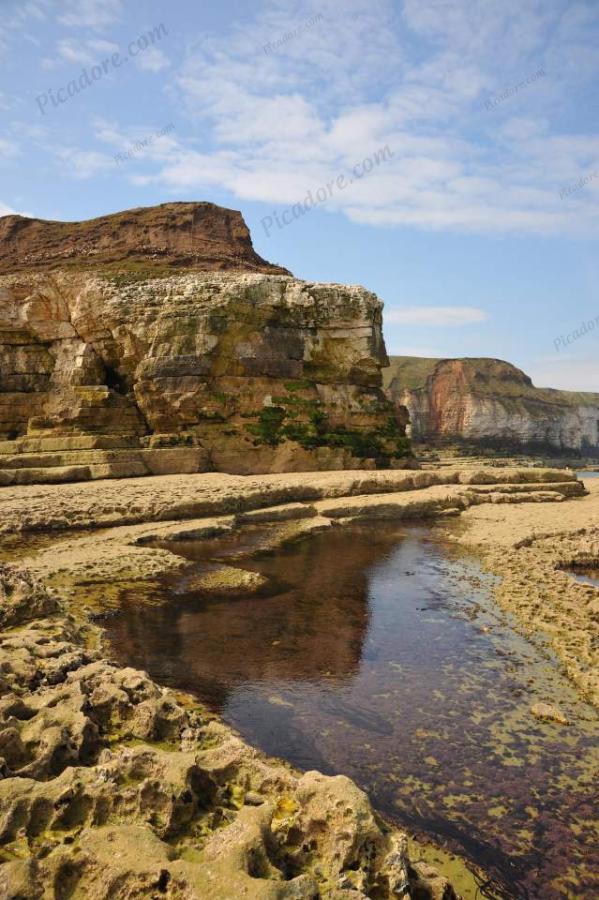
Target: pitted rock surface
(111,786)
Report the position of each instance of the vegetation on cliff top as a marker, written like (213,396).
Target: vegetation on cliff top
(484,377)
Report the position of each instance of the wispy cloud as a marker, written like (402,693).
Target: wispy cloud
(153,60)
(83,163)
(433,316)
(274,123)
(8,149)
(158,144)
(6,210)
(81,52)
(92,13)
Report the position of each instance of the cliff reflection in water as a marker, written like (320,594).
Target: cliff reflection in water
(308,625)
(374,652)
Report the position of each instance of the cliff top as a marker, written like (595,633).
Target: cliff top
(153,239)
(483,376)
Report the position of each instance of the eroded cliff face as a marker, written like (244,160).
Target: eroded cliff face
(490,402)
(246,372)
(172,235)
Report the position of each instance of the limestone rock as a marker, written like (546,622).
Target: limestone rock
(225,581)
(190,371)
(111,786)
(550,713)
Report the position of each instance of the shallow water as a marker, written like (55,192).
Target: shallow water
(582,474)
(587,576)
(376,652)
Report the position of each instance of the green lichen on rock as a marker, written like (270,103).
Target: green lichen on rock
(306,422)
(262,371)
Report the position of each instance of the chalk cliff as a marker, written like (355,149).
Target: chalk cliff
(492,403)
(130,370)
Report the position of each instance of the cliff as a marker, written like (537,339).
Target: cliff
(131,373)
(202,236)
(490,402)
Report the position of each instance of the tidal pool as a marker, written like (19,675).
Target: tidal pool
(376,651)
(587,576)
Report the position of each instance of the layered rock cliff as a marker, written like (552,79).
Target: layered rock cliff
(492,403)
(155,238)
(240,372)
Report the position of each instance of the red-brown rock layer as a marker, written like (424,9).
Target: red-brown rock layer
(194,235)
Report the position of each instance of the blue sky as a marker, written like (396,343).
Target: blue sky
(478,227)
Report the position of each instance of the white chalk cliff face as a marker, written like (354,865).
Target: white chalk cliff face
(490,401)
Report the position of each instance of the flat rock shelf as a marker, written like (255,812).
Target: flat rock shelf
(376,651)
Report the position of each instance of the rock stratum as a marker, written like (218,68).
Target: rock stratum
(488,402)
(109,371)
(172,235)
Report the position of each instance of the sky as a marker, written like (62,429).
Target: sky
(442,153)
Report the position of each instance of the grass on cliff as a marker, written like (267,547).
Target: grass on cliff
(276,424)
(484,377)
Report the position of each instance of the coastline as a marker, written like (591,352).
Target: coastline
(531,549)
(145,742)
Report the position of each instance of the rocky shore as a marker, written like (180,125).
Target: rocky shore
(157,343)
(114,786)
(532,549)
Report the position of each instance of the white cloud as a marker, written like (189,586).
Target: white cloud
(152,60)
(6,210)
(277,124)
(156,146)
(433,316)
(92,13)
(85,52)
(83,164)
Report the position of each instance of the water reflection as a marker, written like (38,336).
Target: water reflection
(374,653)
(587,576)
